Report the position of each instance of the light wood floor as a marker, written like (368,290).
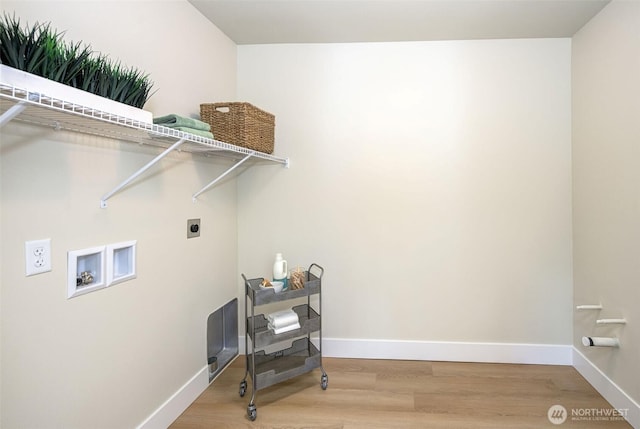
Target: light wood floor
(402,394)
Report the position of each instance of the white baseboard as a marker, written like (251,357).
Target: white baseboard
(541,354)
(607,388)
(168,412)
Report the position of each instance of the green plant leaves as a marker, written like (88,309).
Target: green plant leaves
(42,51)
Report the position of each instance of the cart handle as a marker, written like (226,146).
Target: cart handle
(318,267)
(247,286)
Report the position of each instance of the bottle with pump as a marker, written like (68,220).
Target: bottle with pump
(280,270)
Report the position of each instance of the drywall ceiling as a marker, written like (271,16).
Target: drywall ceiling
(332,21)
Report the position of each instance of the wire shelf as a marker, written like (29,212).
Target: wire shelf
(40,109)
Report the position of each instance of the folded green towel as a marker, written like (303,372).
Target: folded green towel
(175,121)
(200,133)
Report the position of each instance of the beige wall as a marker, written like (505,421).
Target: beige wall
(111,358)
(431,180)
(606,173)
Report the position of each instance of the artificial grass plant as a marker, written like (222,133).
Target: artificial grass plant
(41,50)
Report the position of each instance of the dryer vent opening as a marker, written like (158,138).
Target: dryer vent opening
(222,337)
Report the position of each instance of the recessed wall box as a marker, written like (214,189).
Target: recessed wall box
(121,262)
(85,271)
(222,337)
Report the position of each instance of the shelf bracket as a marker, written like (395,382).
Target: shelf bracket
(17,108)
(220,177)
(12,112)
(103,201)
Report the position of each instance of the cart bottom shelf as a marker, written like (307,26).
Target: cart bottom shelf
(252,410)
(300,358)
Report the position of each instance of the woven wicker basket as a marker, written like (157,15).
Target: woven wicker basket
(240,124)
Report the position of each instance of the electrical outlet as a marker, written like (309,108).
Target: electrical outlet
(193,228)
(37,256)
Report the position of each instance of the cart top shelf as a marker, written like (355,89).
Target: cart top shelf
(261,296)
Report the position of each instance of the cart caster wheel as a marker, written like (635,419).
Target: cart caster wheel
(324,381)
(252,412)
(243,388)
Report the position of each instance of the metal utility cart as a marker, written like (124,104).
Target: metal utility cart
(301,357)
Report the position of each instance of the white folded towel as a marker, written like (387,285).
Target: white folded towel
(283,318)
(284,328)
